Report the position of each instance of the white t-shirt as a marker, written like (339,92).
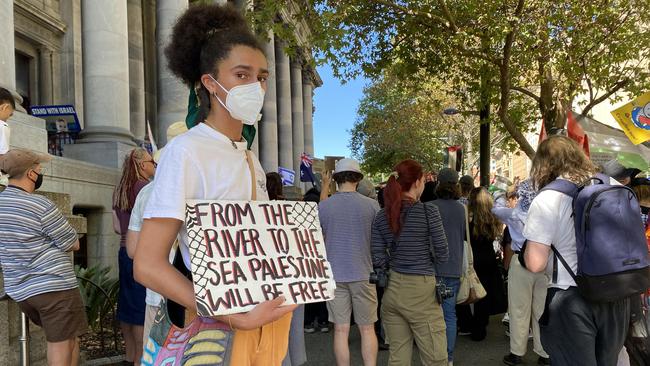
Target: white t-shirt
(202,163)
(135,224)
(5,137)
(550,222)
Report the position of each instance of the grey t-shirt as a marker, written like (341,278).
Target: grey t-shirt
(346,219)
(453,220)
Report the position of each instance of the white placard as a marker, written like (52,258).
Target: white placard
(247,252)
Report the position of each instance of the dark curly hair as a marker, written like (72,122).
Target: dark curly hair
(203,36)
(6,97)
(347,176)
(448,191)
(274,186)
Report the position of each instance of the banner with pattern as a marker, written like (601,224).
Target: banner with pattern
(634,118)
(247,252)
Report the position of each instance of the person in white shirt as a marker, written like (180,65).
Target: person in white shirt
(213,51)
(7,108)
(135,225)
(573,330)
(526,290)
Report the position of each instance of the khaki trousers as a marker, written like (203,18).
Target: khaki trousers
(409,311)
(526,296)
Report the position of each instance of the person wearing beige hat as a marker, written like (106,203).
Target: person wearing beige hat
(346,218)
(35,245)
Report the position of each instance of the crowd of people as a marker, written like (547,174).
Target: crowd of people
(398,254)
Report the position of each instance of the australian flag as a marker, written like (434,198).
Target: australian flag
(306,174)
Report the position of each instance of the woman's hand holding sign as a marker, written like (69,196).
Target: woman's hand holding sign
(264,313)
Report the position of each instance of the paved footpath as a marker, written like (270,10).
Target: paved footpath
(489,352)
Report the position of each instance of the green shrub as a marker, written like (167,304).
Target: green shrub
(99,291)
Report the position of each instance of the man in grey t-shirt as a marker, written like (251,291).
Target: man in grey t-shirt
(347,218)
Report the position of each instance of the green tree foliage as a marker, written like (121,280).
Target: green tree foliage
(533,56)
(400,119)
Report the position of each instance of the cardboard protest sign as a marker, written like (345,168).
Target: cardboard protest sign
(247,252)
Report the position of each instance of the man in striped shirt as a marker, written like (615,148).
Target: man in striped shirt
(346,219)
(35,245)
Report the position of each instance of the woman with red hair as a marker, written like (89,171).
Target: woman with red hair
(408,239)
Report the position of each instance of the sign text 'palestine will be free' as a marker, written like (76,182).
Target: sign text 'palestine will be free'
(247,252)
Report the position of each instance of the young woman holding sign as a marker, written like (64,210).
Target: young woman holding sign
(214,52)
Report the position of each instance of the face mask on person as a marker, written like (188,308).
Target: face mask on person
(244,102)
(39,181)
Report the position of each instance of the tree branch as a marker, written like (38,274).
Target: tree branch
(588,80)
(616,87)
(391,4)
(445,11)
(479,55)
(505,88)
(448,25)
(600,42)
(526,92)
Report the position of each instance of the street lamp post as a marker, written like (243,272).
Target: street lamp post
(484,138)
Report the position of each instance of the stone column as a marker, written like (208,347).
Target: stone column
(308,111)
(8,49)
(172,94)
(71,62)
(45,75)
(268,131)
(283,85)
(136,69)
(297,116)
(106,136)
(150,63)
(106,71)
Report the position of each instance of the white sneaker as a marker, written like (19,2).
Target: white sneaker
(506,319)
(451,363)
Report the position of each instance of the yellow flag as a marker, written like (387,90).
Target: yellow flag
(634,118)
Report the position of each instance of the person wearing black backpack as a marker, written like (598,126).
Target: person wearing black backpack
(586,233)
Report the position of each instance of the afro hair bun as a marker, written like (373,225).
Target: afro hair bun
(193,31)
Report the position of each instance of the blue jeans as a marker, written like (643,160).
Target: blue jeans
(449,310)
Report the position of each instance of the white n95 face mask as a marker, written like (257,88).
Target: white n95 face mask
(244,102)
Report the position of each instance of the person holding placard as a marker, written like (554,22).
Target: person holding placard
(213,51)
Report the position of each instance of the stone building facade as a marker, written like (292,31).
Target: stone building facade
(105,57)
